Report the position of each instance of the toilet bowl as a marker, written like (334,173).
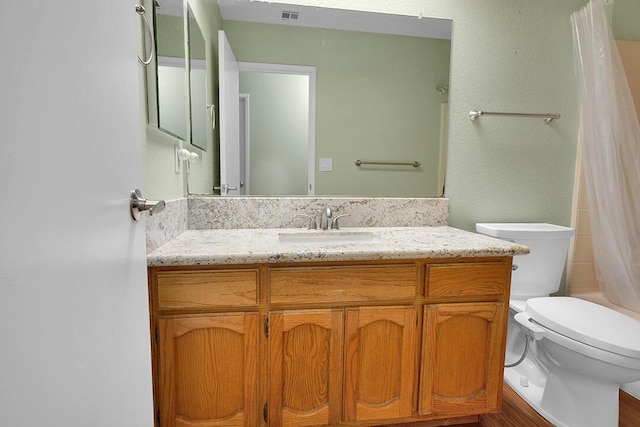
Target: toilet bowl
(578,353)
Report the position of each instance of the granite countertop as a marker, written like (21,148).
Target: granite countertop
(252,246)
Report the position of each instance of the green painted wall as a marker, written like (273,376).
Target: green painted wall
(169,35)
(376,100)
(626,19)
(507,55)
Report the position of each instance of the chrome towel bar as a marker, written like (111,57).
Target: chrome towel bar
(548,118)
(362,162)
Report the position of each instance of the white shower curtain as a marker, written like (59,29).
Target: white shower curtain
(610,136)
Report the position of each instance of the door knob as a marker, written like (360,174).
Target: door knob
(225,188)
(139,204)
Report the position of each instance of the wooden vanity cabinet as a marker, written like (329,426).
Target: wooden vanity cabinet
(305,367)
(464,343)
(207,370)
(205,347)
(462,348)
(355,362)
(326,344)
(380,363)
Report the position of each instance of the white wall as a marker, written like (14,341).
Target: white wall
(279,122)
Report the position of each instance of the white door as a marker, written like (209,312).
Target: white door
(74,329)
(229,80)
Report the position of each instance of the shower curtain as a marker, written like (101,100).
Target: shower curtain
(610,136)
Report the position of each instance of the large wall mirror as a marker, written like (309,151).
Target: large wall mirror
(199,117)
(178,102)
(167,103)
(380,95)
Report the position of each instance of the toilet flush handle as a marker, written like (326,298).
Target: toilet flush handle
(525,320)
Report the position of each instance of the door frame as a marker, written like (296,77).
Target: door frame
(245,144)
(310,72)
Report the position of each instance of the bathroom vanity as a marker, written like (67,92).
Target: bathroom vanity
(250,331)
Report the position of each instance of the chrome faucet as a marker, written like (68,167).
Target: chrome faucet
(326,218)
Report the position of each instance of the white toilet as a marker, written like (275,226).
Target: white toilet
(577,353)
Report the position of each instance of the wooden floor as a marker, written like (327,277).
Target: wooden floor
(629,410)
(517,413)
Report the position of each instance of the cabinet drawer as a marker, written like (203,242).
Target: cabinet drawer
(341,284)
(201,290)
(467,280)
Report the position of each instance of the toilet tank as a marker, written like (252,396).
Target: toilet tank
(538,273)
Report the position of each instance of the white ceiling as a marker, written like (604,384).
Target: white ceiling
(316,17)
(338,19)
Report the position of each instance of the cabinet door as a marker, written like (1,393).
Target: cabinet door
(462,357)
(305,358)
(207,370)
(380,362)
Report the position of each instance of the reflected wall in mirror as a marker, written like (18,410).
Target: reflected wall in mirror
(380,97)
(199,119)
(170,107)
(277,129)
(204,23)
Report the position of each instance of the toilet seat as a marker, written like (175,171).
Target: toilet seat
(588,323)
(518,305)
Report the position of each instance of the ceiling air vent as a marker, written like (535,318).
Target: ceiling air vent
(288,15)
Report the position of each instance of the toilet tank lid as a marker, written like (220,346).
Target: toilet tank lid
(587,322)
(525,230)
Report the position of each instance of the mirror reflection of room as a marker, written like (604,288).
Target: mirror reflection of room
(198,107)
(378,97)
(170,111)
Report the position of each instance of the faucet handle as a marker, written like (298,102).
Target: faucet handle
(312,221)
(334,224)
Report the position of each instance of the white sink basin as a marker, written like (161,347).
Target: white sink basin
(329,237)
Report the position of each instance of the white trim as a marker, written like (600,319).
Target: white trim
(171,61)
(245,97)
(444,137)
(198,64)
(311,73)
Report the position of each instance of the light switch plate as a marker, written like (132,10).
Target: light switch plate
(177,162)
(326,164)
